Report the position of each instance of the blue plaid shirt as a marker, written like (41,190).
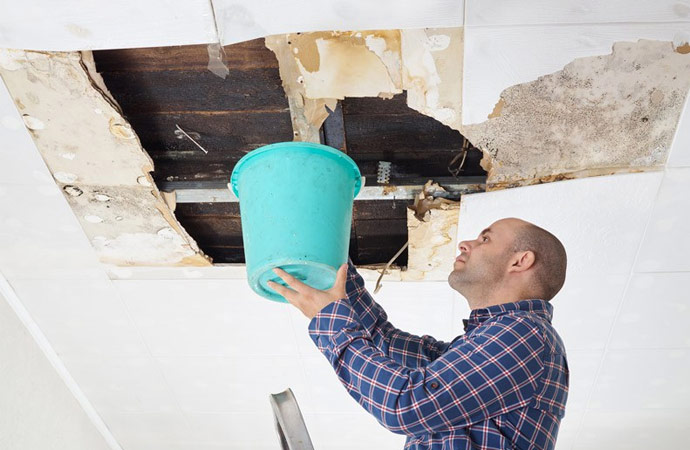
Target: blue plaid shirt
(501,385)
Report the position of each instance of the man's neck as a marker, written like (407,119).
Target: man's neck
(494,298)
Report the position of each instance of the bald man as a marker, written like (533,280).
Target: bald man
(503,384)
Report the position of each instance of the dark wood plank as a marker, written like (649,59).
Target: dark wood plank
(399,133)
(212,230)
(225,135)
(377,105)
(248,90)
(377,210)
(181,166)
(244,55)
(228,209)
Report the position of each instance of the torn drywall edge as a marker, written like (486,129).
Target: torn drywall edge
(432,73)
(306,114)
(431,243)
(342,64)
(92,149)
(599,115)
(338,64)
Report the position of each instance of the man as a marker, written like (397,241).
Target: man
(501,385)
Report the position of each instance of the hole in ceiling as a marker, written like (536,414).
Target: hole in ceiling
(196,126)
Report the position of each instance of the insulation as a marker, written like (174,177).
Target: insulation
(96,158)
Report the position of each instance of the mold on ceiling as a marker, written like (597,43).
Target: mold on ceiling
(599,115)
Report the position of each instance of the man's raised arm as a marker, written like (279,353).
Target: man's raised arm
(407,349)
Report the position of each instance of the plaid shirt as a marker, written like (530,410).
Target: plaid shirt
(501,385)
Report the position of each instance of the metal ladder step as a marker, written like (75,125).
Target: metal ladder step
(290,425)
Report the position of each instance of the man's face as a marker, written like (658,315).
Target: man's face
(484,261)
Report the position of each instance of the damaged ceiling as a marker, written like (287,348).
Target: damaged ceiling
(186,121)
(196,123)
(391,99)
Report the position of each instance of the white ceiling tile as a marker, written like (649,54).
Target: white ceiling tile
(679,155)
(138,431)
(665,246)
(643,378)
(610,213)
(38,232)
(208,318)
(237,384)
(655,312)
(236,430)
(122,384)
(585,308)
(582,366)
(568,430)
(634,429)
(417,307)
(300,326)
(81,318)
(461,310)
(521,12)
(240,21)
(325,393)
(101,24)
(496,58)
(195,445)
(340,431)
(20,161)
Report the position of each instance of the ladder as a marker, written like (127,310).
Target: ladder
(290,425)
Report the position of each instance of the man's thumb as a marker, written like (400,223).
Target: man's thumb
(341,276)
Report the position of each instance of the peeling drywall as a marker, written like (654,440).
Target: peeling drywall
(96,158)
(432,225)
(599,115)
(432,73)
(347,64)
(319,67)
(306,114)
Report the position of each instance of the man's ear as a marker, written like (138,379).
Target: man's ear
(522,261)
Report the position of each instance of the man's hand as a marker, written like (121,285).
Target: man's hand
(306,298)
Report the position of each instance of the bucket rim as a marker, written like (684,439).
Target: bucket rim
(312,145)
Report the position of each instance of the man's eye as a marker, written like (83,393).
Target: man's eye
(484,238)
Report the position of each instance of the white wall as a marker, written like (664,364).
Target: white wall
(37,410)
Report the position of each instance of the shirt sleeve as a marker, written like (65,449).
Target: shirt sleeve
(495,372)
(405,348)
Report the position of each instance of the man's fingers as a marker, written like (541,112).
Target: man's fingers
(282,290)
(293,282)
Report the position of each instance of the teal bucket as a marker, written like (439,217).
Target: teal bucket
(296,211)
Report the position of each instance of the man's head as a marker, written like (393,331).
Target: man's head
(510,260)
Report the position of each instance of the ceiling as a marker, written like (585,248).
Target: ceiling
(154,354)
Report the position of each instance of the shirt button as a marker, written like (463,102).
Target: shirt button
(434,385)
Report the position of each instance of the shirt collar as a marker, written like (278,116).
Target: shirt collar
(541,308)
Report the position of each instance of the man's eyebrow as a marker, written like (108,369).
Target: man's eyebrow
(486,230)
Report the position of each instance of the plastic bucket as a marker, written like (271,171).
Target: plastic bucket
(296,211)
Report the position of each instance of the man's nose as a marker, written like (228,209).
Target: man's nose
(464,247)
